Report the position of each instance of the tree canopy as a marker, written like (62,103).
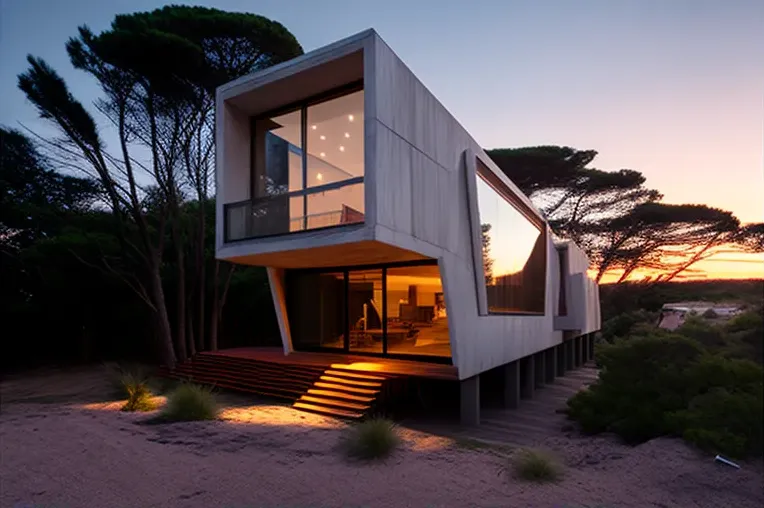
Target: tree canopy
(622,224)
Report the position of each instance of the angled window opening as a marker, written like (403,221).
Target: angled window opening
(513,245)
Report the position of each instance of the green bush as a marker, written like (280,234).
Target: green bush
(190,402)
(670,385)
(535,466)
(375,438)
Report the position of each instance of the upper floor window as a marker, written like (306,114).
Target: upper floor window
(307,170)
(514,249)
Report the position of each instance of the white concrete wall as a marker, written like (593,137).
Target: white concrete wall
(424,165)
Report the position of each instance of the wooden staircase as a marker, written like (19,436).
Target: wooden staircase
(333,391)
(342,392)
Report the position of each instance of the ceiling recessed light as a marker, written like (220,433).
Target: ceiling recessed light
(322,154)
(322,137)
(314,127)
(350,117)
(342,148)
(319,176)
(347,134)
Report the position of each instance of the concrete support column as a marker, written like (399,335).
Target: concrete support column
(561,358)
(528,377)
(470,401)
(539,369)
(569,358)
(512,385)
(591,347)
(550,361)
(577,351)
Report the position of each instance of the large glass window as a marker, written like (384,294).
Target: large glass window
(397,310)
(307,170)
(316,303)
(417,323)
(365,311)
(514,249)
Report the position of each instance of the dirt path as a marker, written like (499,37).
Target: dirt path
(89,454)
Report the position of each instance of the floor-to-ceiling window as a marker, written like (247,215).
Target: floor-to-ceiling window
(394,310)
(307,169)
(416,312)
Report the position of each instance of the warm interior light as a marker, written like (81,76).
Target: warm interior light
(319,176)
(347,134)
(350,117)
(322,154)
(314,127)
(322,137)
(342,148)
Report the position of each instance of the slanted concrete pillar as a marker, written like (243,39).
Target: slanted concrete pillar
(528,377)
(591,347)
(550,361)
(512,385)
(539,369)
(470,401)
(577,351)
(569,355)
(561,358)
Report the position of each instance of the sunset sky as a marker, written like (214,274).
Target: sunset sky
(674,89)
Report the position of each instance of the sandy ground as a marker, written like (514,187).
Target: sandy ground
(61,445)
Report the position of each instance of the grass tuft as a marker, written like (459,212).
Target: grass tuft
(189,402)
(139,397)
(372,439)
(535,466)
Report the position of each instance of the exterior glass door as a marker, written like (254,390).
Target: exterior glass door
(365,313)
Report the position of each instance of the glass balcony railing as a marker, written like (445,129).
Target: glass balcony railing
(315,208)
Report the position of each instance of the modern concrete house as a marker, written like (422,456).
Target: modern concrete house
(387,233)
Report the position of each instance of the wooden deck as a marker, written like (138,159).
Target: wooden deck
(388,366)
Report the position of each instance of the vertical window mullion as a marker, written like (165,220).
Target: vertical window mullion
(346,289)
(384,310)
(304,139)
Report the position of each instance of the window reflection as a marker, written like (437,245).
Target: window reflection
(324,143)
(514,251)
(335,140)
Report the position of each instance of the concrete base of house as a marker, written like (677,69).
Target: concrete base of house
(470,401)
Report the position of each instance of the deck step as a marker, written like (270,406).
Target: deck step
(348,373)
(340,395)
(352,382)
(322,401)
(342,413)
(350,389)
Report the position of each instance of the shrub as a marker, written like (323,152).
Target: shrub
(668,384)
(375,438)
(702,331)
(124,376)
(138,394)
(190,402)
(710,314)
(535,466)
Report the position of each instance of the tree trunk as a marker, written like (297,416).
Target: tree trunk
(214,312)
(201,274)
(164,333)
(190,334)
(180,333)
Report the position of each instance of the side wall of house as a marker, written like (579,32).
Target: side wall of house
(423,162)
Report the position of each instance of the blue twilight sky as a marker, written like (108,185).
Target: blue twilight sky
(672,88)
